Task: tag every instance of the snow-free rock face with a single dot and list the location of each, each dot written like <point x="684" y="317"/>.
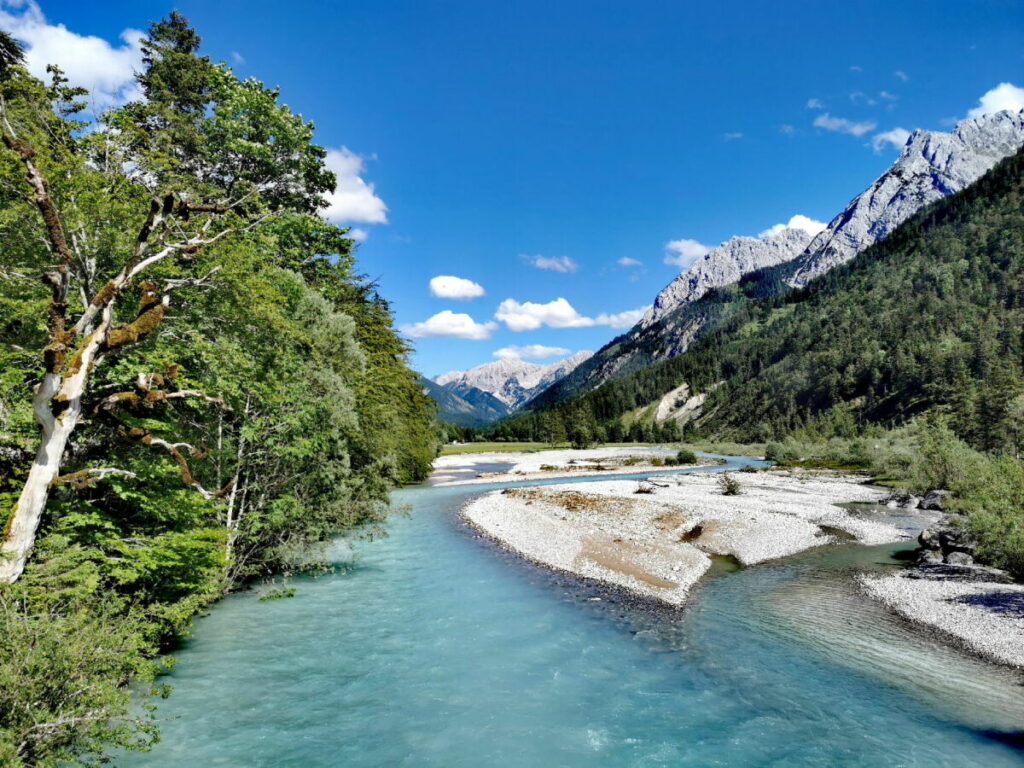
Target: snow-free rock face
<point x="725" y="265"/>
<point x="513" y="382"/>
<point x="932" y="165"/>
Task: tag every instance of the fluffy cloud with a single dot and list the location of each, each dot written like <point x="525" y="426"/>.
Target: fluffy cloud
<point x="626" y="261"/>
<point x="451" y="287"/>
<point x="842" y="125"/>
<point x="353" y="200"/>
<point x="531" y="351"/>
<point x="732" y="135"/>
<point x="897" y="137"/>
<point x="107" y="71"/>
<point x="451" y="325"/>
<point x="787" y="129"/>
<point x="1003" y="96"/>
<point x="626" y="319"/>
<point x="529" y="316"/>
<point x="684" y="252"/>
<point x="798" y="221"/>
<point x="553" y="263"/>
<point x="815" y="104"/>
<point x="901" y="75"/>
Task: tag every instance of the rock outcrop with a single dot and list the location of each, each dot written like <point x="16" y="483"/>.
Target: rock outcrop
<point x="726" y="264"/>
<point x="932" y="165"/>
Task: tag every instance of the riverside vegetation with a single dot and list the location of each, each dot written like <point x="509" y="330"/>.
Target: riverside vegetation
<point x="907" y="360"/>
<point x="196" y="386"/>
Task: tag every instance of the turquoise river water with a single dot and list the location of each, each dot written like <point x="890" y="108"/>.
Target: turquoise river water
<point x="435" y="648"/>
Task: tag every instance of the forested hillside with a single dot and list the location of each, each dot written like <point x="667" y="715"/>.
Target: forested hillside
<point x="196" y="385"/>
<point x="930" y="317"/>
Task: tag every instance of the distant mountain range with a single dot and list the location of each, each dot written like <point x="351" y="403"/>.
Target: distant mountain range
<point x="931" y="166"/>
<point x="486" y="393"/>
<point x="927" y="319"/>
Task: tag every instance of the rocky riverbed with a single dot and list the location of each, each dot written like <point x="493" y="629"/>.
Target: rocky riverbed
<point x="540" y="465"/>
<point x="657" y="538"/>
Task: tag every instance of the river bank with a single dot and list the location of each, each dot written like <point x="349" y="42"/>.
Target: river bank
<point x="981" y="616"/>
<point x="505" y="467"/>
<point x="659" y="542"/>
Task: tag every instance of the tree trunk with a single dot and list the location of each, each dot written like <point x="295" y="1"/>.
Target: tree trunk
<point x="57" y="406"/>
<point x="21" y="528"/>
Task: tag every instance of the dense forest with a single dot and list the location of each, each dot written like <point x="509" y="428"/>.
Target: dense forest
<point x="197" y="387"/>
<point x="930" y="318"/>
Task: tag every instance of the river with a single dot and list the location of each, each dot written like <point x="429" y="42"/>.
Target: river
<point x="435" y="648"/>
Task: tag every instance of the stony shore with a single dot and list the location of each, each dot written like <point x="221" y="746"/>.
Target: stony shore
<point x="659" y="544"/>
<point x="460" y="469"/>
<point x="984" y="617"/>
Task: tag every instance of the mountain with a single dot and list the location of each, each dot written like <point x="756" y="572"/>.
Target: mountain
<point x="726" y="264"/>
<point x="488" y="392"/>
<point x="465" y="406"/>
<point x="929" y="317"/>
<point x="931" y="166"/>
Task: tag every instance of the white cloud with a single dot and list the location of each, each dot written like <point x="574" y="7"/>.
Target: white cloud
<point x="358" y="234"/>
<point x="237" y="58"/>
<point x="732" y="136"/>
<point x="842" y="125"/>
<point x="897" y="137"/>
<point x="626" y="319"/>
<point x="452" y="325"/>
<point x="856" y="68"/>
<point x="797" y="221"/>
<point x="1003" y="96"/>
<point x="787" y="129"/>
<point x="353" y="200"/>
<point x="451" y="287"/>
<point x="627" y="261"/>
<point x="685" y="252"/>
<point x="107" y="71"/>
<point x="899" y="73"/>
<point x="554" y="263"/>
<point x="815" y="104"/>
<point x="531" y="351"/>
<point x="887" y="96"/>
<point x="529" y="316"/>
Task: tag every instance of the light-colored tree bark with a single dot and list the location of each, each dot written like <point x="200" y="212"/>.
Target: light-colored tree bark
<point x="57" y="399"/>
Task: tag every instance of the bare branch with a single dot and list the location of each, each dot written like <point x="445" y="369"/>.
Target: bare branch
<point x="190" y="282"/>
<point x="58" y="338"/>
<point x="175" y="449"/>
<point x="86" y="477"/>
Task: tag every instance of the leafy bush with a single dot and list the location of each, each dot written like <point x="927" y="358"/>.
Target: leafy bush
<point x="686" y="456"/>
<point x="729" y="485"/>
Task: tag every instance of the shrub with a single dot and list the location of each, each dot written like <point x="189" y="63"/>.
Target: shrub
<point x="686" y="456"/>
<point x="729" y="485"/>
<point x="781" y="454"/>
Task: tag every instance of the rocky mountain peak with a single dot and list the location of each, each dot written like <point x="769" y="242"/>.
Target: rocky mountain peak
<point x="514" y="382"/>
<point x="726" y="264"/>
<point x="932" y="165"/>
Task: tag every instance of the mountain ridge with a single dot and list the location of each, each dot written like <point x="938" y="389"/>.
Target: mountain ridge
<point x="931" y="166"/>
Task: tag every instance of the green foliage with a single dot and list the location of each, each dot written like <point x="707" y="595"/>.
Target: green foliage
<point x="309" y="414"/>
<point x="686" y="456"/>
<point x="729" y="485"/>
<point x="927" y="318"/>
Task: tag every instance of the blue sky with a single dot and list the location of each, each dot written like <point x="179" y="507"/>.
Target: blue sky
<point x="475" y="136"/>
